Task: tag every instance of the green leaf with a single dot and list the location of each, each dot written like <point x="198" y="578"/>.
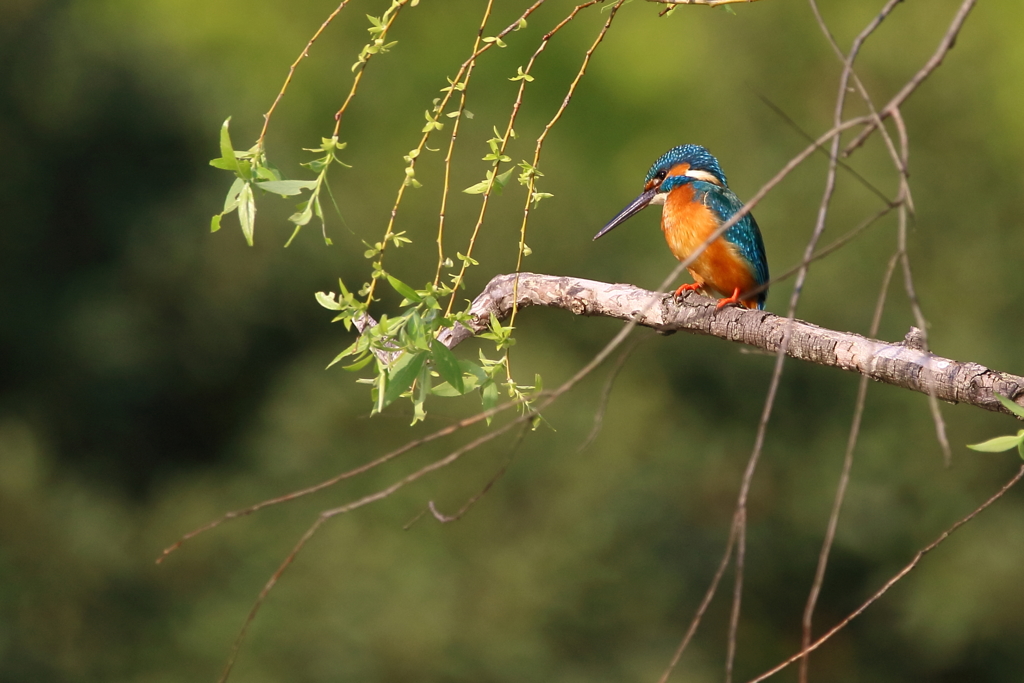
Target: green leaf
<point x="286" y="188"/>
<point x="432" y="122"/>
<point x="479" y="188"/>
<point x="445" y="390"/>
<point x="497" y="186"/>
<point x="266" y="173"/>
<point x="303" y="215"/>
<point x="398" y="239"/>
<point x="498" y="333"/>
<point x="1010" y="405"/>
<point x="231" y="199"/>
<point x="522" y="76"/>
<point x="225" y="164"/>
<point x="489" y="397"/>
<point x="402" y="378"/>
<point x="295" y="233"/>
<point x="999" y="444"/>
<point x="447" y="366"/>
<point x="405" y="290"/>
<point x="247" y="212"/>
<point x="473" y="372"/>
<point x="215" y="222"/>
<point x="502" y="179"/>
<point x="352" y="349"/>
<point x="227" y="160"/>
<point x="359" y="364"/>
<point x="327" y="301"/>
<point x="419" y="400"/>
<point x="472" y="376"/>
<point x="415" y="334"/>
<point x="537" y="196"/>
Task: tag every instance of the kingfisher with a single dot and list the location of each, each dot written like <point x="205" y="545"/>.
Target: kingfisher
<point x="696" y="200"/>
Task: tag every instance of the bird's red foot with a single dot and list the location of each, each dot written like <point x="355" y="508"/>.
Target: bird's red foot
<point x="686" y="288"/>
<point x="734" y="299"/>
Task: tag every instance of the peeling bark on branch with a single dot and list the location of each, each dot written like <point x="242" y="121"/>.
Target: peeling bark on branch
<point x="904" y="364"/>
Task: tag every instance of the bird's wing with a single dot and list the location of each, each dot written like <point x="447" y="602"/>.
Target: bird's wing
<point x="745" y="234"/>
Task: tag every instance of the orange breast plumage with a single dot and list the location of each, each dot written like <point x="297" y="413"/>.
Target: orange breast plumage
<point x="687" y="224"/>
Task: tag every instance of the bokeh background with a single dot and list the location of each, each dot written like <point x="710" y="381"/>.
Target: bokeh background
<point x="154" y="376"/>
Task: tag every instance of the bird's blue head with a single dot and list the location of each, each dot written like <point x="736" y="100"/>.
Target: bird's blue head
<point x="679" y="165"/>
<point x="692" y="161"/>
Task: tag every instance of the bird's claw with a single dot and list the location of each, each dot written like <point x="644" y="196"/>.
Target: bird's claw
<point x="734" y="299"/>
<point x="678" y="295"/>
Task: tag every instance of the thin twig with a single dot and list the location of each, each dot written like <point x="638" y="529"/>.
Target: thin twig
<point x="740" y="520"/>
<point x="908" y="283"/>
<point x="438" y="111"/>
<point x="850" y="74"/>
<point x="847" y="74"/>
<point x="361" y="502"/>
<point x="844" y="480"/>
<point x="723" y="564"/>
<point x="291" y="70"/>
<point x="776" y="379"/>
<point x="945" y="45"/>
<point x="348" y="474"/>
<point x="445" y="519"/>
<point x="606" y="392"/>
<point x="900" y="160"/>
<point x="532" y="181"/>
<point x="892" y="581"/>
<point x="509" y="132"/>
<point x="546" y="400"/>
<point x="868" y="185"/>
<point x="831" y="247"/>
<point x="446" y="186"/>
<point x="392" y="15"/>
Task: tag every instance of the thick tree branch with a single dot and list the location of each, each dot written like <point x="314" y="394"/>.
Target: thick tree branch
<point x="903" y="364"/>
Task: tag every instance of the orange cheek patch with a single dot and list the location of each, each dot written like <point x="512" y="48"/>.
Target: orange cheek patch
<point x="678" y="169"/>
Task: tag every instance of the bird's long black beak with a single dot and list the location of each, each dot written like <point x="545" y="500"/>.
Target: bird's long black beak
<point x="634" y="208"/>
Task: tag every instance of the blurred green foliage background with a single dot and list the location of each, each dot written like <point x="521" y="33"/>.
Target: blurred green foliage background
<point x="154" y="376"/>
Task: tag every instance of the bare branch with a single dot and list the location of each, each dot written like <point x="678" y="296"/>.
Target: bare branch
<point x="704" y="604"/>
<point x="606" y="394"/>
<point x="904" y="364"/>
<point x="844" y="480"/>
<point x="892" y="581"/>
<point x="945" y="45"/>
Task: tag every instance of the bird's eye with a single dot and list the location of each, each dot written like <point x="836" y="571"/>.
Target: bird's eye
<point x="661" y="174"/>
